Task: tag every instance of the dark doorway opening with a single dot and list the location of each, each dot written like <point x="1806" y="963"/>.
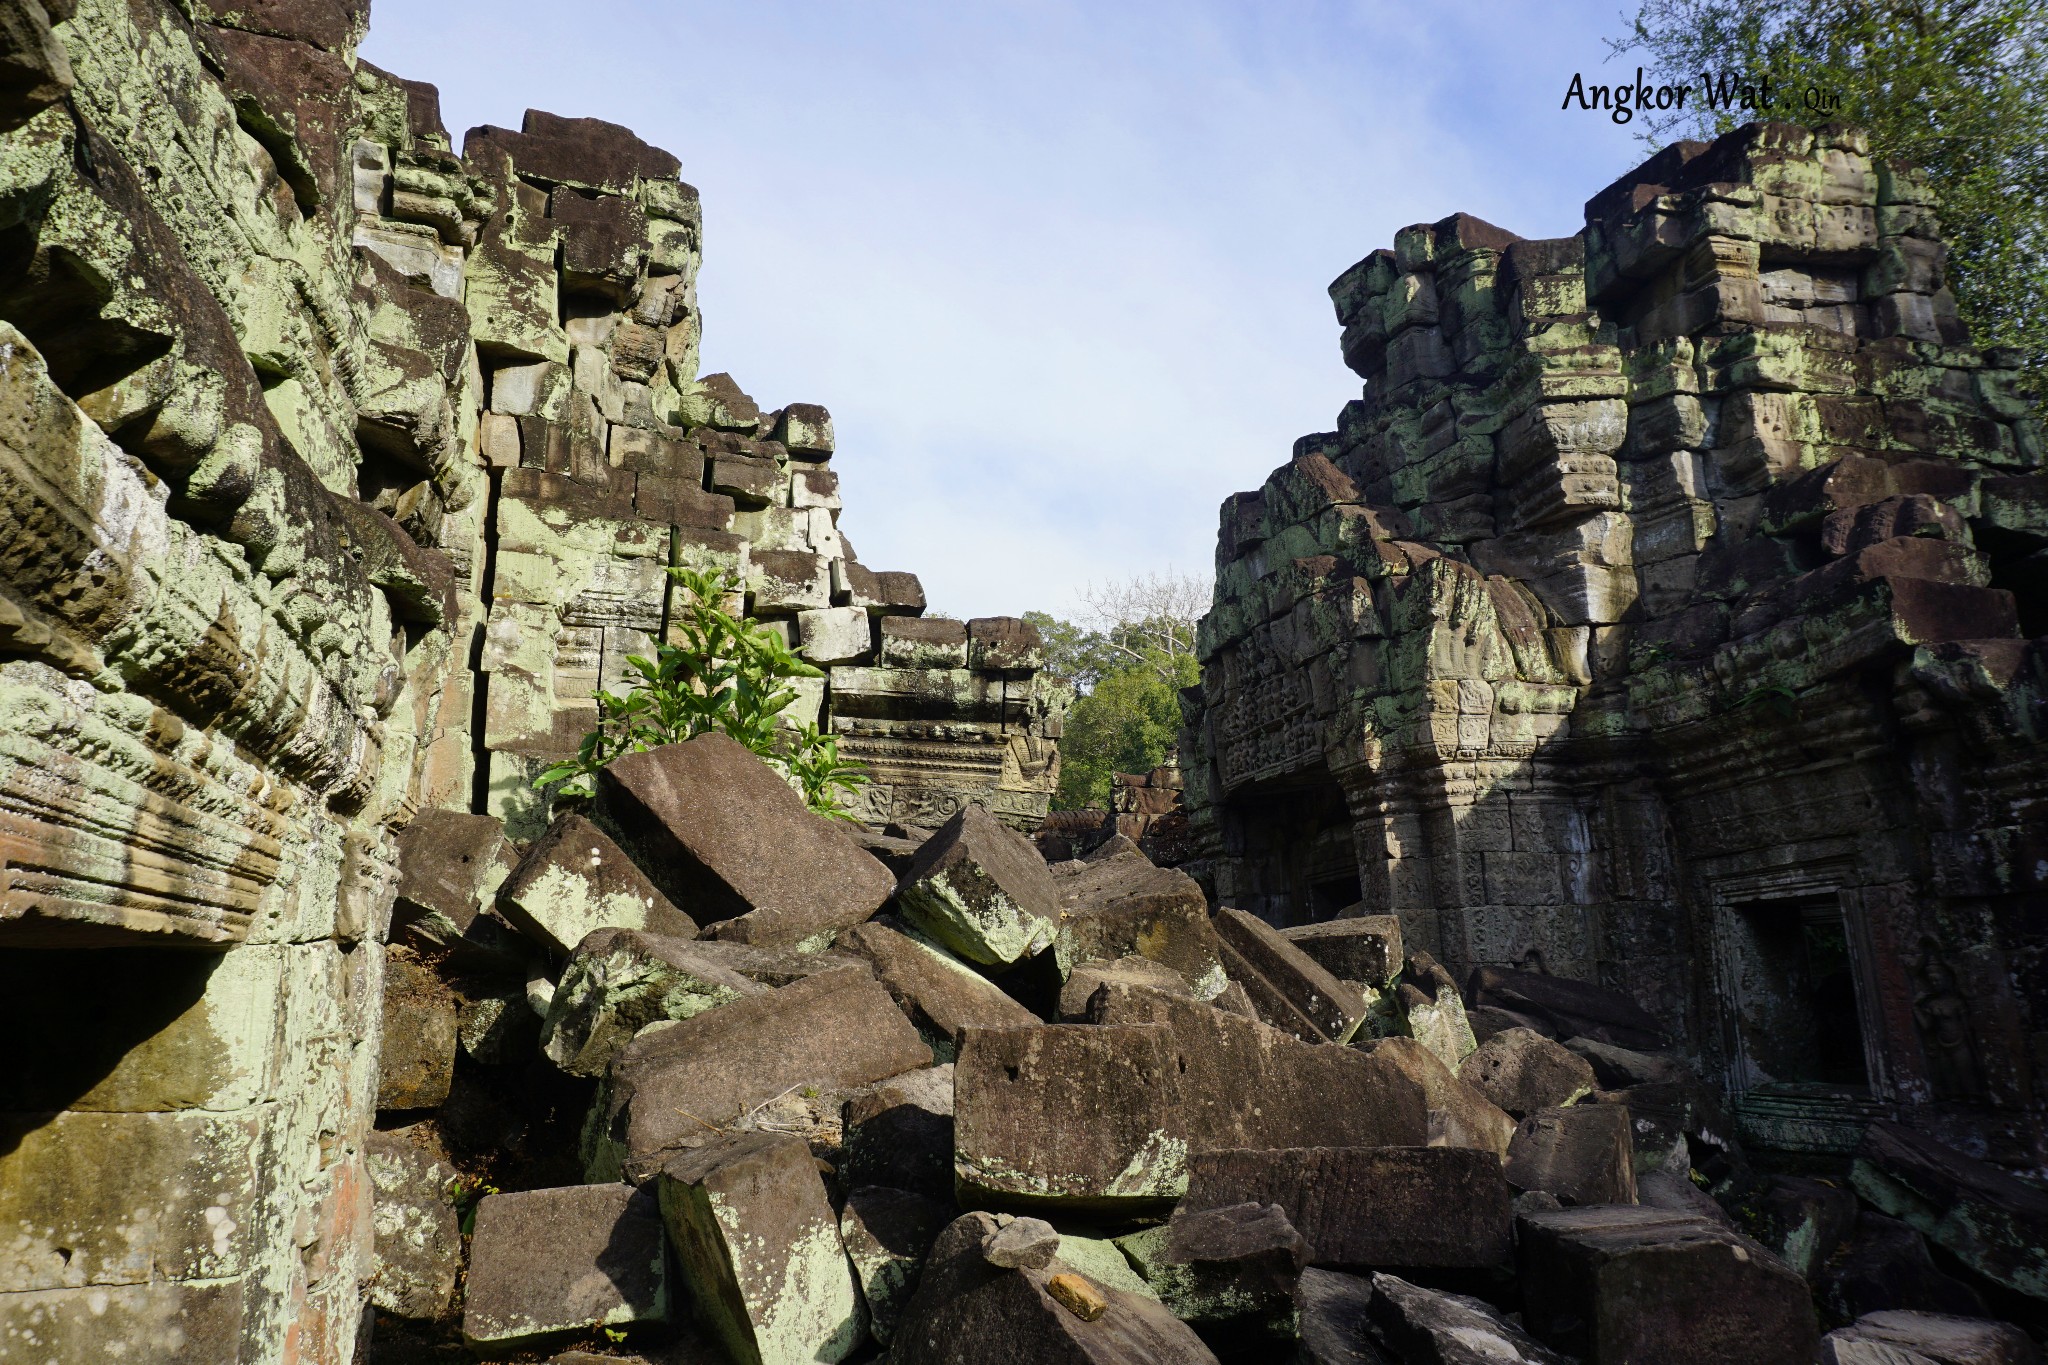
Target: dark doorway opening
<point x="1792" y="967"/>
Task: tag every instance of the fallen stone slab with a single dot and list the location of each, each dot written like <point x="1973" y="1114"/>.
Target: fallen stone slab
<point x="1993" y="1223"/>
<point x="1522" y="1071"/>
<point x="937" y="991"/>
<point x="726" y="839"/>
<point x="1458" y="1115"/>
<point x="418" y="1234"/>
<point x="1077" y="1116"/>
<point x="1088" y="977"/>
<point x="547" y="1263"/>
<point x="1366" y="948"/>
<point x="1435" y="1014"/>
<point x="1334" y="1320"/>
<point x="758" y="1244"/>
<point x="1621" y="1283"/>
<point x="1370" y="1206"/>
<point x="1237" y="1082"/>
<point x="685" y="1084"/>
<point x="416" y="1050"/>
<point x="1904" y="1338"/>
<point x="1803" y="1220"/>
<point x="1580" y="1154"/>
<point x="979" y="888"/>
<point x="450" y="864"/>
<point x="1573" y="1009"/>
<point x="968" y="1312"/>
<point x="1279" y="967"/>
<point x="1883" y="1266"/>
<point x="619" y="981"/>
<point x="1618" y="1068"/>
<point x="899" y="1133"/>
<point x="1236" y="1264"/>
<point x="1424" y="1327"/>
<point x="575" y="881"/>
<point x="777" y="966"/>
<point x="887" y="1233"/>
<point x="1116" y="903"/>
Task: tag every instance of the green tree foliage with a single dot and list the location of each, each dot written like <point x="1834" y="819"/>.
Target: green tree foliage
<point x="1959" y="87"/>
<point x="1128" y="661"/>
<point x="724" y="673"/>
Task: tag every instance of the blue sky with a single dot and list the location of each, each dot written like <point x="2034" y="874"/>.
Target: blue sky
<point x="1056" y="268"/>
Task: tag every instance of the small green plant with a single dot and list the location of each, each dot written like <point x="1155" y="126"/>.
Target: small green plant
<point x="721" y="672"/>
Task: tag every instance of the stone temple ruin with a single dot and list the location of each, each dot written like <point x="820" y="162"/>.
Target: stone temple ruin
<point x="1631" y="709"/>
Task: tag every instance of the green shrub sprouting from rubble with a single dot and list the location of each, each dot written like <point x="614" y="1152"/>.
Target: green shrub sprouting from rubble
<point x="725" y="673"/>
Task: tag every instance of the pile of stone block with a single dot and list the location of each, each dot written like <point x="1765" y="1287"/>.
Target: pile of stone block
<point x="983" y="1107"/>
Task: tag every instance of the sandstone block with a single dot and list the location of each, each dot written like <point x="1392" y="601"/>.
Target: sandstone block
<point x="617" y="982"/>
<point x="835" y="635"/>
<point x="979" y="888"/>
<point x="1370" y="1206"/>
<point x="941" y="994"/>
<point x="1522" y="1071"/>
<point x="1116" y="903"/>
<point x="1582" y="1155"/>
<point x="758" y="1244"/>
<point x="449" y="864"/>
<point x="1574" y="1009"/>
<point x="675" y="1087"/>
<point x="899" y="1133"/>
<point x="1020" y="1243"/>
<point x="1884" y="1266"/>
<point x="1459" y="1116"/>
<point x="1996" y="1224"/>
<point x="1236" y="1264"/>
<point x="1335" y="1320"/>
<point x="725" y="838"/>
<point x="1003" y="644"/>
<point x="968" y="1312"/>
<point x="575" y="881"/>
<point x="1286" y="983"/>
<point x="1448" y="1329"/>
<point x="547" y="1263"/>
<point x="917" y="642"/>
<point x="416" y="1056"/>
<point x="1089" y="977"/>
<point x="887" y="1233"/>
<point x="1906" y="1338"/>
<point x="1616" y="1283"/>
<point x="1366" y="948"/>
<point x="418" y="1236"/>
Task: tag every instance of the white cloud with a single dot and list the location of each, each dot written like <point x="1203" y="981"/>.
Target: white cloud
<point x="1057" y="269"/>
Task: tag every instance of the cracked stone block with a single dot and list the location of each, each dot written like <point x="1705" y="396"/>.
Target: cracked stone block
<point x="1615" y="1283"/>
<point x="729" y="843"/>
<point x="1368" y="1206"/>
<point x="887" y="1233"/>
<point x="545" y="1264"/>
<point x="968" y="1312"/>
<point x="758" y="1245"/>
<point x="619" y="981"/>
<point x="979" y="888"/>
<point x="1522" y="1071"/>
<point x="1582" y="1154"/>
<point x="418" y="1235"/>
<point x="575" y="881"/>
<point x="683" y="1084"/>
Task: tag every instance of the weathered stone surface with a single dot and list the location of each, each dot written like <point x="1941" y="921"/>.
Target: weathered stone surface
<point x="617" y="982"/>
<point x="759" y="1247"/>
<point x="1290" y="988"/>
<point x="1995" y="1224"/>
<point x="1089" y="977"/>
<point x="1458" y="1115"/>
<point x="727" y="840"/>
<point x="1230" y="1264"/>
<point x="887" y="1233"/>
<point x="681" y="1085"/>
<point x="941" y="994"/>
<point x="1116" y="903"/>
<point x="1582" y="1155"/>
<point x="1615" y="1283"/>
<point x="1432" y="1328"/>
<point x="450" y="864"/>
<point x="1370" y="1206"/>
<point x="899" y="1133"/>
<point x="416" y="1061"/>
<point x="575" y="881"/>
<point x="1366" y="948"/>
<point x="980" y="888"/>
<point x="1885" y="1266"/>
<point x="1576" y="1009"/>
<point x="967" y="1311"/>
<point x="419" y="1237"/>
<point x="1804" y="1221"/>
<point x="1020" y="1243"/>
<point x="1522" y="1071"/>
<point x="1905" y="1338"/>
<point x="545" y="1263"/>
<point x="1428" y="1001"/>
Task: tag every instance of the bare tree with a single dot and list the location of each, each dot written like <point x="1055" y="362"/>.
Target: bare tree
<point x="1149" y="619"/>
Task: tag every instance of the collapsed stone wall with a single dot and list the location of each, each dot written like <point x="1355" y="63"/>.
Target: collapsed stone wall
<point x="1667" y="612"/>
<point x="338" y="471"/>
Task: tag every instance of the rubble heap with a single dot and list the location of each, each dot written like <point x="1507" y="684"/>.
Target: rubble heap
<point x="1666" y="613"/>
<point x="338" y="472"/>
